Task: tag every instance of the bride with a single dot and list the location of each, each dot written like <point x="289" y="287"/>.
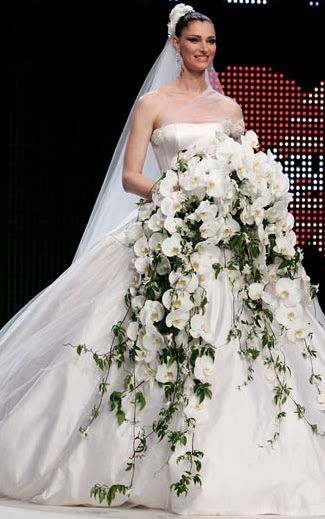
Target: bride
<point x="177" y="364"/>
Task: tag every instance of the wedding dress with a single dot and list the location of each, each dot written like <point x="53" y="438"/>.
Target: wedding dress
<point x="47" y="392"/>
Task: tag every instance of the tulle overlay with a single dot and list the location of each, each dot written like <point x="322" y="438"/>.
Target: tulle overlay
<point x="47" y="392"/>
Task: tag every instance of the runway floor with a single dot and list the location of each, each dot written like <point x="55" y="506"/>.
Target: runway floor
<point x="10" y="509"/>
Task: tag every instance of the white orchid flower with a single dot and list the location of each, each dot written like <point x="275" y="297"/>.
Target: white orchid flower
<point x="167" y="373"/>
<point x="260" y="165"/>
<point x="156" y="221"/>
<point x="169" y="184"/>
<point x="298" y="331"/>
<point x="200" y="327"/>
<point x="255" y="291"/>
<point x="170" y="205"/>
<point x="203" y="368"/>
<point x="288" y="291"/>
<point x="173" y="225"/>
<point x="155" y="240"/>
<point x="167" y="298"/>
<point x="288" y="223"/>
<point x="142" y="265"/>
<point x="206" y="210"/>
<point x="215" y="184"/>
<point x="141" y="246"/>
<point x="146" y="372"/>
<point x="177" y="318"/>
<point x="276" y="211"/>
<point x="209" y="228"/>
<point x="200" y="262"/>
<point x="132" y="330"/>
<point x="188" y="283"/>
<point x="152" y="339"/>
<point x="285" y="245"/>
<point x="288" y="315"/>
<point x="257" y="208"/>
<point x="177" y="300"/>
<point x="144" y="355"/>
<point x="229" y="228"/>
<point x="228" y="150"/>
<point x="196" y="409"/>
<point x="137" y="302"/>
<point x="151" y="312"/>
<point x="181" y="300"/>
<point x="206" y="166"/>
<point x="251" y="139"/>
<point x="279" y="184"/>
<point x="172" y="246"/>
<point x="189" y="181"/>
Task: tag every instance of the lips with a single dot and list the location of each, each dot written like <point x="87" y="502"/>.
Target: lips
<point x="202" y="58"/>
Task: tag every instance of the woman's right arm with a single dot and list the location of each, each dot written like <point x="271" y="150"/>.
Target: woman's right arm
<point x="133" y="180"/>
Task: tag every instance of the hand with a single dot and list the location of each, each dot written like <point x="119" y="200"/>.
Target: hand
<point x="151" y="190"/>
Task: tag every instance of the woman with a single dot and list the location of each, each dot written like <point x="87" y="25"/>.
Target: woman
<point x="211" y="272"/>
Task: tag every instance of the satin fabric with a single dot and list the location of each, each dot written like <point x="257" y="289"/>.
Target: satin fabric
<point x="47" y="391"/>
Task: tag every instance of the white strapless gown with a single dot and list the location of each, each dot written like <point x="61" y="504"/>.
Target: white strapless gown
<point x="47" y="392"/>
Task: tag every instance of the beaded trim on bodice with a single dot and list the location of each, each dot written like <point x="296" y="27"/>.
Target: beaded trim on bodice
<point x="231" y="128"/>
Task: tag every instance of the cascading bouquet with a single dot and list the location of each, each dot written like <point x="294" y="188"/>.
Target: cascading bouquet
<point x="220" y="210"/>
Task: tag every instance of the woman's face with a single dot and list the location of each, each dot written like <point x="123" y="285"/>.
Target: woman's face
<point x="197" y="45"/>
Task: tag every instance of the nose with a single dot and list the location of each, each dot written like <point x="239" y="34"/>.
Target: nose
<point x="204" y="47"/>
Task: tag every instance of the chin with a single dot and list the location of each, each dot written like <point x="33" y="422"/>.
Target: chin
<point x="199" y="67"/>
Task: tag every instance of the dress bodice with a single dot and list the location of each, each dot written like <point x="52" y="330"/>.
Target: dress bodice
<point x="168" y="140"/>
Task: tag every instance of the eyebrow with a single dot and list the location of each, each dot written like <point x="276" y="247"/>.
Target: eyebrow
<point x="199" y="36"/>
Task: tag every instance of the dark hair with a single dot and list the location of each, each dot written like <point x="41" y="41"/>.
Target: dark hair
<point x="192" y="16"/>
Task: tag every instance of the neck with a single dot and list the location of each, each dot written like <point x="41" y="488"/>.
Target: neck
<point x="192" y="83"/>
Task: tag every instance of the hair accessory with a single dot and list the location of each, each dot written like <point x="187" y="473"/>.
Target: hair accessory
<point x="175" y="14"/>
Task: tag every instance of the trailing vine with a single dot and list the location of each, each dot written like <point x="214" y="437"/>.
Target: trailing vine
<point x="220" y="212"/>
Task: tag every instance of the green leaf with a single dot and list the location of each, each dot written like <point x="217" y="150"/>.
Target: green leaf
<point x="300" y="411"/>
<point x="80" y="348"/>
<point x="95" y="412"/>
<point x="140" y="399"/>
<point x="217" y="269"/>
<point x="202" y="391"/>
<point x="313" y="291"/>
<point x="115" y="400"/>
<point x="127" y="381"/>
<point x="120" y="415"/>
<point x="314" y="428"/>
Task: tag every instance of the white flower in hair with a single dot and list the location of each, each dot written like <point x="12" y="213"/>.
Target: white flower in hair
<point x="175" y="14"/>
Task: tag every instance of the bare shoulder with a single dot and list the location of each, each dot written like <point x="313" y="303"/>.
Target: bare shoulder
<point x="233" y="108"/>
<point x="150" y="99"/>
<point x="148" y="105"/>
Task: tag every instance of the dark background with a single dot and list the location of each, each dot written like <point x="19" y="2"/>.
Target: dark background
<point x="74" y="70"/>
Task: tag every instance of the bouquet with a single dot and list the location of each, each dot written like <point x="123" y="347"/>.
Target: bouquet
<point x="221" y="209"/>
